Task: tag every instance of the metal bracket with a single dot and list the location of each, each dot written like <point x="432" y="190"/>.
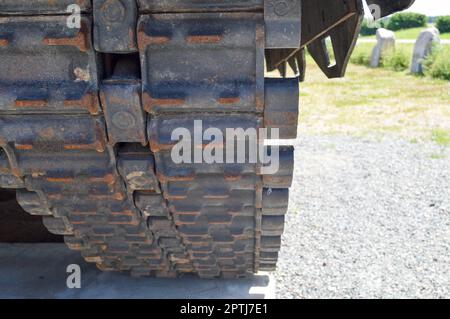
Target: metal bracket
<point x="120" y="97"/>
<point x="342" y="25"/>
<point x="283" y="23"/>
<point x="115" y="24"/>
<point x="340" y="21"/>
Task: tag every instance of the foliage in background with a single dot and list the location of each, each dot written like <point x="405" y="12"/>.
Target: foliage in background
<point x="411" y="34"/>
<point x="369" y="101"/>
<point x="368" y="27"/>
<point x="361" y="55"/>
<point x="407" y="20"/>
<point x="398" y="60"/>
<point x="437" y="64"/>
<point x="443" y="24"/>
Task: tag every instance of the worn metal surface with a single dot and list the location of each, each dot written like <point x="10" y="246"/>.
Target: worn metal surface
<point x="46" y="66"/>
<point x="35" y="7"/>
<point x="86" y="133"/>
<point x="186" y="61"/>
<point x="282" y="106"/>
<point x="283" y="23"/>
<point x="199" y="5"/>
<point x="123" y="112"/>
<point x="115" y="26"/>
<point x="137" y="167"/>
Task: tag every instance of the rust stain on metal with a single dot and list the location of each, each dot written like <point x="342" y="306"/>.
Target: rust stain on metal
<point x="108" y="179"/>
<point x="180" y="223"/>
<point x="117" y="197"/>
<point x="80" y="147"/>
<point x="229" y="100"/>
<point x="88" y="101"/>
<point x="164" y="179"/>
<point x="99" y="146"/>
<point x="259" y="191"/>
<point x="133" y="222"/>
<point x="17" y="172"/>
<point x="189" y="213"/>
<point x="204" y="38"/>
<point x="224" y="224"/>
<point x="31" y="103"/>
<point x="60" y="179"/>
<point x="124" y="213"/>
<point x="233" y="213"/>
<point x="82" y="222"/>
<point x="74" y="246"/>
<point x="233" y="178"/>
<point x="97" y="260"/>
<point x="149" y="102"/>
<point x="259" y="103"/>
<point x="101" y="143"/>
<point x="23" y="147"/>
<point x="216" y="196"/>
<point x="103" y="100"/>
<point x="177" y="197"/>
<point x="80" y="41"/>
<point x="80" y="213"/>
<point x="196" y="243"/>
<point x="154" y="144"/>
<point x="131" y="35"/>
<point x="145" y="40"/>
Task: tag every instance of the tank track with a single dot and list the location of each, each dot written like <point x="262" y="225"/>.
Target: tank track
<point x="85" y="132"/>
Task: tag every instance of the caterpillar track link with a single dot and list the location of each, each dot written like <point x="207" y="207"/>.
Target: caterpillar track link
<point x="92" y="91"/>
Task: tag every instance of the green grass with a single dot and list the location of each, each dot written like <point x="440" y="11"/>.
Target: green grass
<point x="437" y="64"/>
<point x="438" y="156"/>
<point x="410" y="34"/>
<point x="441" y="137"/>
<point x="376" y="101"/>
<point x="400" y="60"/>
<point x="362" y="53"/>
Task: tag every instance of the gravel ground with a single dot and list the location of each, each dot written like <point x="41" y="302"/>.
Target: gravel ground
<point x="368" y="219"/>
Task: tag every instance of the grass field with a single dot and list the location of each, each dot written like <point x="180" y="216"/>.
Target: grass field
<point x="376" y="101"/>
<point x="410" y="34"/>
<point x="363" y="50"/>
